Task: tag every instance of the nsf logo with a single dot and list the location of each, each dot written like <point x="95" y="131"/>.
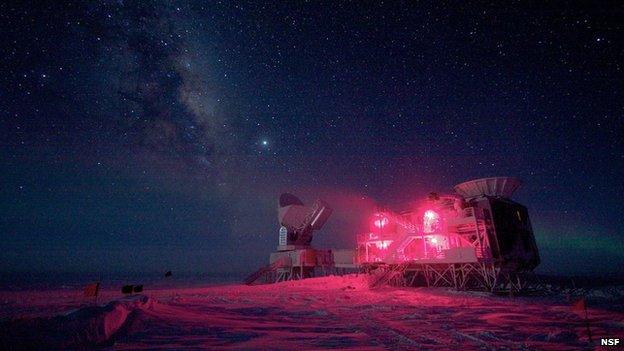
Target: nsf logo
<point x="609" y="341"/>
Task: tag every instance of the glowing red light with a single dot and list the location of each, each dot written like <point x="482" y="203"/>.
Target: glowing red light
<point x="430" y="221"/>
<point x="381" y="221"/>
<point x="429" y="214"/>
<point x="383" y="244"/>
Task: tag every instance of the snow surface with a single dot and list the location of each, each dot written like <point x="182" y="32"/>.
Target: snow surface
<point x="313" y="314"/>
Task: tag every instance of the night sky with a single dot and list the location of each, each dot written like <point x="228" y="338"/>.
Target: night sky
<point x="140" y="137"/>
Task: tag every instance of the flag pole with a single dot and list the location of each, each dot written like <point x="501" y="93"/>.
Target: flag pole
<point x="97" y="290"/>
<point x="587" y="324"/>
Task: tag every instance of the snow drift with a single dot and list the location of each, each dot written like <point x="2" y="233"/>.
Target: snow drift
<point x="86" y="327"/>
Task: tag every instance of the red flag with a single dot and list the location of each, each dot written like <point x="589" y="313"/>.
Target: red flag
<point x="579" y="305"/>
<point x="92" y="289"/>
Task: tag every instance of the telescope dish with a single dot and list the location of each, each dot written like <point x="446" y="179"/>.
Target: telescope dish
<point x="494" y="186"/>
<point x="287" y="199"/>
<point x="300" y="221"/>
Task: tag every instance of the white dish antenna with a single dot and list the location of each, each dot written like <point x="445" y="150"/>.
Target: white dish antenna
<point x="494" y="186"/>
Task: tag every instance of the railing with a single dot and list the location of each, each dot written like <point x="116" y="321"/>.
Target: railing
<point x="468" y="212"/>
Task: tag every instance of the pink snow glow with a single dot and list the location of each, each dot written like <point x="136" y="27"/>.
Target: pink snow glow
<point x="313" y="314"/>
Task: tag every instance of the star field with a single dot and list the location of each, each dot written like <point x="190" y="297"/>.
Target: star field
<point x="161" y="134"/>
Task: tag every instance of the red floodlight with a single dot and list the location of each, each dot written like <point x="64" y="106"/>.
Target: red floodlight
<point x="380" y="220"/>
<point x="383" y="244"/>
<point x="431" y="221"/>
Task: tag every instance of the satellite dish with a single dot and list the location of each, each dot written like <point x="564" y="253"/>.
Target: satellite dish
<point x="299" y="220"/>
<point x="494" y="186"/>
<point x="287" y="199"/>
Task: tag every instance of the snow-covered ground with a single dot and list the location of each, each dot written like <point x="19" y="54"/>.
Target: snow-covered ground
<point x="319" y="313"/>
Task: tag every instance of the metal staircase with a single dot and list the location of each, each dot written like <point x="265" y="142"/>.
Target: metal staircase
<point x="387" y="275"/>
<point x="266" y="270"/>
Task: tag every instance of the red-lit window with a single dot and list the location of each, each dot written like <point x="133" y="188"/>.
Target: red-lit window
<point x="431" y="221"/>
<point x="380" y="220"/>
